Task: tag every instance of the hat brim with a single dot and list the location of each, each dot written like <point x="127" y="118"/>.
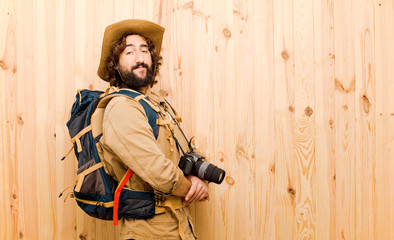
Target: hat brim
<point x="115" y="31"/>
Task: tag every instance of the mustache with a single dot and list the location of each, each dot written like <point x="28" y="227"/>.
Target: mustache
<point x="140" y="65"/>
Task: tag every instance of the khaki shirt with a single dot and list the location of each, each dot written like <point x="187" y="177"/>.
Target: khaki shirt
<point x="128" y="142"/>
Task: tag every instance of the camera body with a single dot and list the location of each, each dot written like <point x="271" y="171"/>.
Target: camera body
<point x="192" y="163"/>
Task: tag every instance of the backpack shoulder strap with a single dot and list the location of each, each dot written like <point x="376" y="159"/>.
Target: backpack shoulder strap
<point x="150" y="110"/>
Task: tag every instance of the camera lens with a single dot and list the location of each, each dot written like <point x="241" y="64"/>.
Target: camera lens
<point x="209" y="172"/>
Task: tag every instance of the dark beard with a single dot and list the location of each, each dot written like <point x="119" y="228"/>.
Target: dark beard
<point x="130" y="80"/>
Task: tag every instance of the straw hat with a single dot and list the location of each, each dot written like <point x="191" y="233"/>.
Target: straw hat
<point x="115" y="31"/>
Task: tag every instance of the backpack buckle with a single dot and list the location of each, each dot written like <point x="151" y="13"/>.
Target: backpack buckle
<point x="159" y="200"/>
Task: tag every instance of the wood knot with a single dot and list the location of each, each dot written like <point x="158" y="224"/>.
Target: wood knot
<point x="178" y="71"/>
<point x="91" y="86"/>
<point x="339" y="86"/>
<point x="230" y="180"/>
<point x="20" y="120"/>
<point x="291" y="108"/>
<point x="227" y="33"/>
<point x="308" y="111"/>
<point x="273" y="168"/>
<point x="21" y="235"/>
<point x="285" y="55"/>
<point x="345" y="107"/>
<point x="366" y="104"/>
<point x="82" y="237"/>
<point x="3" y="65"/>
<point x="291" y="191"/>
<point x="331" y="122"/>
<point x="221" y="159"/>
<point x="14" y="196"/>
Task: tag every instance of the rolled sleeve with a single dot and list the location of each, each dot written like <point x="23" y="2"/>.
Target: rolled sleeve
<point x="127" y="133"/>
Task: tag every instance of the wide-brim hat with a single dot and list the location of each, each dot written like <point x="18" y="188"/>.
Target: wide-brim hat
<point x="115" y="31"/>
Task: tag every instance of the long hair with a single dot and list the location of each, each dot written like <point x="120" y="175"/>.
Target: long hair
<point x="112" y="75"/>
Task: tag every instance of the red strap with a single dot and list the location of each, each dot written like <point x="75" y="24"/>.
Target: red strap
<point x="117" y="195"/>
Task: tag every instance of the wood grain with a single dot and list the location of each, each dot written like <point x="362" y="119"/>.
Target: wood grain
<point x="304" y="131"/>
<point x="264" y="83"/>
<point x="292" y="98"/>
<point x="365" y="96"/>
<point x="9" y="182"/>
<point x="286" y="169"/>
<point x="324" y="99"/>
<point x="345" y="84"/>
<point x="384" y="204"/>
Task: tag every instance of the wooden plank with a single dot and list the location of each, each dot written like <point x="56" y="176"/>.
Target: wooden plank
<point x="285" y="167"/>
<point x="44" y="70"/>
<point x="26" y="131"/>
<point x="9" y="183"/>
<point x="144" y="9"/>
<point x="177" y="72"/>
<point x="365" y="99"/>
<point x="345" y="119"/>
<point x="217" y="67"/>
<point x="324" y="119"/>
<point x="242" y="139"/>
<point x="123" y="9"/>
<point x="86" y="47"/>
<point x="264" y="83"/>
<point x="102" y="18"/>
<point x="224" y="197"/>
<point x="202" y="102"/>
<point x="304" y="128"/>
<point x="384" y="35"/>
<point x="65" y="227"/>
<point x="167" y="76"/>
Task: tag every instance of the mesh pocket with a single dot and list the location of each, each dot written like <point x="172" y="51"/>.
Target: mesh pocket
<point x="93" y="182"/>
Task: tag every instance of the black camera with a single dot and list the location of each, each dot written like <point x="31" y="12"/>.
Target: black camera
<point x="192" y="163"/>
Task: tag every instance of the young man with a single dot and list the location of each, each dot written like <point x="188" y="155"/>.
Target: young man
<point x="130" y="60"/>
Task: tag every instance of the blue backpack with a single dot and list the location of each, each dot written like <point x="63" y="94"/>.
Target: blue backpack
<point x="96" y="192"/>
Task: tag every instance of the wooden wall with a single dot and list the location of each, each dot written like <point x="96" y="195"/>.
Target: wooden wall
<point x="294" y="98"/>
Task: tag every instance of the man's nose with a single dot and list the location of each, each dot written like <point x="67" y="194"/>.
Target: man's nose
<point x="138" y="57"/>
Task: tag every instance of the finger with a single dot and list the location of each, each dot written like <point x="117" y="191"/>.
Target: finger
<point x="201" y="194"/>
<point x="195" y="194"/>
<point x="200" y="191"/>
<point x="190" y="193"/>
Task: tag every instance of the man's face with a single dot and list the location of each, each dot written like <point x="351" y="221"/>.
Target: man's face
<point x="135" y="63"/>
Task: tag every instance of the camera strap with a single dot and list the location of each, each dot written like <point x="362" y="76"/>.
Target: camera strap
<point x="173" y="136"/>
<point x="165" y="111"/>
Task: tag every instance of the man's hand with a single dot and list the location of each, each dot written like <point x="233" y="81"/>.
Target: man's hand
<point x="198" y="191"/>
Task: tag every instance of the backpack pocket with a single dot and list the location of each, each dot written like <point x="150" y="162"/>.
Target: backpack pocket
<point x="95" y="205"/>
<point x="135" y="204"/>
<point x="89" y="191"/>
<point x="89" y="179"/>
